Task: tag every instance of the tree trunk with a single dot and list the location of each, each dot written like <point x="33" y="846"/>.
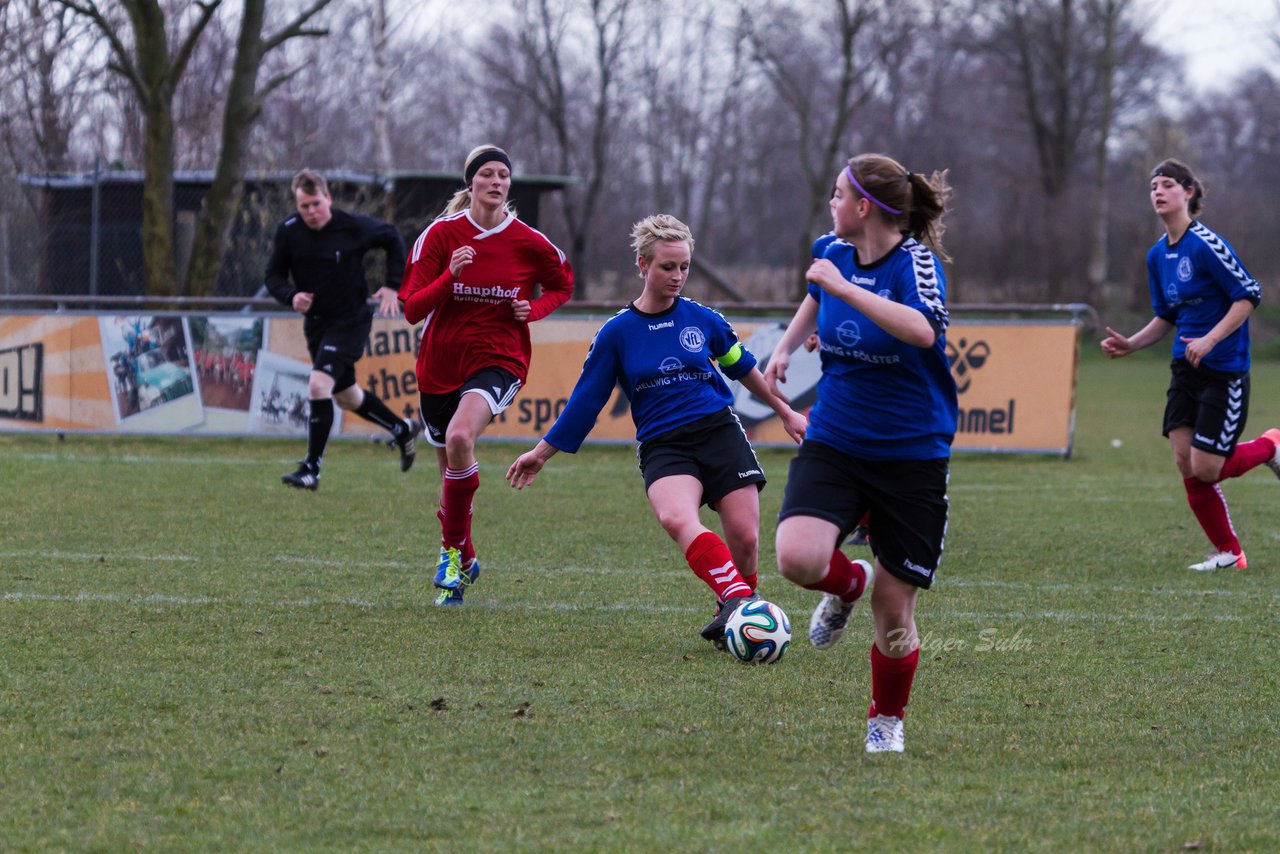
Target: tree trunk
<point x="159" y="264"/>
<point x="1099" y="260"/>
<point x="382" y="103"/>
<point x="217" y="213"/>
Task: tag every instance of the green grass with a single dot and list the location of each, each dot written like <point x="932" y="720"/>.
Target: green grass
<point x="194" y="658"/>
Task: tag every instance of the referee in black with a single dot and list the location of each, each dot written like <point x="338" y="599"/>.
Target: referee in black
<point x="323" y="249"/>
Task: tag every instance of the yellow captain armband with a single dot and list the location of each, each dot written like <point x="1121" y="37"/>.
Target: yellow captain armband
<point x="728" y="360"/>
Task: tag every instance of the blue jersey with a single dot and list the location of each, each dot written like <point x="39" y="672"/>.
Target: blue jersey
<point x="1193" y="283"/>
<point x="880" y="398"/>
<point x="663" y="363"/>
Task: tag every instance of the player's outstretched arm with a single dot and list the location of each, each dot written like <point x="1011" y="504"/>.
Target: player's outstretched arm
<point x="804" y="324"/>
<point x="793" y="422"/>
<point x="1116" y="345"/>
<point x="527" y="465"/>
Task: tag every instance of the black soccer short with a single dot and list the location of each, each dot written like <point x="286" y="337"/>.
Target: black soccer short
<point x="337" y="344"/>
<point x="497" y="386"/>
<point x="714" y="449"/>
<point x="1215" y="405"/>
<point x="907" y="500"/>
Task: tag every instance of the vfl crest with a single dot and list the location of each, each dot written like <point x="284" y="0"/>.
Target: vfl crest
<point x="965" y="358"/>
<point x="1184" y="269"/>
<point x="692" y="339"/>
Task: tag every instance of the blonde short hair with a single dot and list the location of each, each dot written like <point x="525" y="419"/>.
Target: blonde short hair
<point x="651" y="229"/>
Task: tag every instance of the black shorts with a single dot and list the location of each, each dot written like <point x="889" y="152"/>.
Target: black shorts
<point x="1215" y="405"/>
<point x="907" y="500"/>
<point x="497" y="386"/>
<point x="714" y="449"/>
<point x="336" y="345"/>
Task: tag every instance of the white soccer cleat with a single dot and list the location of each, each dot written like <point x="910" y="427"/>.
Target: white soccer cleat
<point x="1221" y="560"/>
<point x="884" y="734"/>
<point x="831" y="617"/>
<point x="829" y="621"/>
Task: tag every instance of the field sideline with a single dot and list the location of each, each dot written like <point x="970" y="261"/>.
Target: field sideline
<point x="194" y="658"/>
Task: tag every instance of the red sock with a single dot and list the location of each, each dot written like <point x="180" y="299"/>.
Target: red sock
<point x="753" y="580"/>
<point x="1248" y="456"/>
<point x="460" y="487"/>
<point x="1210" y="508"/>
<point x="891" y="682"/>
<point x="710" y="560"/>
<point x="468" y="548"/>
<point x="845" y="578"/>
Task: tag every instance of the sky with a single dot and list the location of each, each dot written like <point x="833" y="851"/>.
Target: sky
<point x="1219" y="39"/>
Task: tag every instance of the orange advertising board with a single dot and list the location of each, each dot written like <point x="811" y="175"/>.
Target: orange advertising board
<point x="243" y="374"/>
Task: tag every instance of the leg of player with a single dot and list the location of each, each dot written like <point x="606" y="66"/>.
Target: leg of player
<point x="894" y="657"/>
<point x="808" y="556"/>
<point x="370" y="407"/>
<point x="675" y="501"/>
<point x="461" y="482"/>
<point x="1200" y="472"/>
<point x="740" y="520"/>
<point x="319" y="425"/>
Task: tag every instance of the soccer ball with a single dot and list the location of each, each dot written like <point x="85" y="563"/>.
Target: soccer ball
<point x="758" y="632"/>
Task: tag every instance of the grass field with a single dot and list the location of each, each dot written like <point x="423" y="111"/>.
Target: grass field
<point x="193" y="658"/>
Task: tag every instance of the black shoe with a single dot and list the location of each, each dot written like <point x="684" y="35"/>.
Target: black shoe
<point x="714" y="630"/>
<point x="306" y="477"/>
<point x="407" y="443"/>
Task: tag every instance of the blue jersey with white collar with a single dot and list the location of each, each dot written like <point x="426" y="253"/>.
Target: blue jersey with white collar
<point x="1193" y="283"/>
<point x="664" y="363"/>
<point x="881" y="398"/>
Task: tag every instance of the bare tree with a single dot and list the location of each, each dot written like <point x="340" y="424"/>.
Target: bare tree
<point x="379" y="36"/>
<point x="573" y="89"/>
<point x="1071" y="64"/>
<point x="154" y="72"/>
<point x="822" y="74"/>
<point x="48" y="63"/>
<point x="243" y="106"/>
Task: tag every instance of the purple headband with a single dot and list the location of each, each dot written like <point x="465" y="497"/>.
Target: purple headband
<point x="848" y="170"/>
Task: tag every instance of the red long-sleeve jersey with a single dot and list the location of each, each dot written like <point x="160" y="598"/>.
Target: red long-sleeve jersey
<point x="469" y="325"/>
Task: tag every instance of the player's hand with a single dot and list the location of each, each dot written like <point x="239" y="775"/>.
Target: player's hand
<point x="1116" y="345"/>
<point x="462" y="256"/>
<point x="520" y="310"/>
<point x="1197" y="349"/>
<point x="524" y="469"/>
<point x="825" y="275"/>
<point x="796" y="425"/>
<point x="302" y="301"/>
<point x="811" y="343"/>
<point x="388" y="302"/>
<point x="775" y="372"/>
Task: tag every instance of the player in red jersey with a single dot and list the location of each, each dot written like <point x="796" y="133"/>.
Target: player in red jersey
<point x="473" y="277"/>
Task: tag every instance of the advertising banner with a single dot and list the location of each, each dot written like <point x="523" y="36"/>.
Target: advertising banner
<point x="246" y="374"/>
